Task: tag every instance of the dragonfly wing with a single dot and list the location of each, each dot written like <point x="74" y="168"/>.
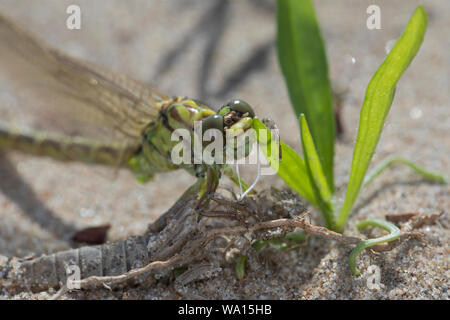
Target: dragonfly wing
<point x="46" y="90"/>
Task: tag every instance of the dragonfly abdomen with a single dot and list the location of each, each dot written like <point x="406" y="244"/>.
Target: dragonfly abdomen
<point x="64" y="148"/>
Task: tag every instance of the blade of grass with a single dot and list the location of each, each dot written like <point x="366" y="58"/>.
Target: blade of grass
<point x="240" y="267"/>
<point x="394" y="234"/>
<point x="316" y="175"/>
<point x="303" y="61"/>
<point x="377" y="102"/>
<point x="291" y="167"/>
<point x="429" y="175"/>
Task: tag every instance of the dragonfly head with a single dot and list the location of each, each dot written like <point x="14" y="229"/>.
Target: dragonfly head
<point x="235" y="115"/>
<point x="237" y="112"/>
<point x="233" y="120"/>
<point x="237" y="118"/>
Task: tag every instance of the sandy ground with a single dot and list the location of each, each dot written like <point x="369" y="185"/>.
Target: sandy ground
<point x="216" y="51"/>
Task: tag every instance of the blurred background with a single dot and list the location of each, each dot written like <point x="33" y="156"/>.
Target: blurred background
<point x="218" y="50"/>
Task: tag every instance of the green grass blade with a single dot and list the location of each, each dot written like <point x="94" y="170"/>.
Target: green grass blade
<point x="291" y="167"/>
<point x="377" y="102"/>
<point x="303" y="61"/>
<point x="316" y="174"/>
<point x="429" y="175"/>
<point x="240" y="267"/>
<point x="394" y="234"/>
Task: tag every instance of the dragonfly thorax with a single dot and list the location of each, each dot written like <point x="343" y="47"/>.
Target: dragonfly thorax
<point x="189" y="134"/>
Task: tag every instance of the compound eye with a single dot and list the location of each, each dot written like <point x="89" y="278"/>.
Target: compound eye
<point x="212" y="122"/>
<point x="241" y="106"/>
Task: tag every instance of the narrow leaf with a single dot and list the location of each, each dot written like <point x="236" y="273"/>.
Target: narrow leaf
<point x="377" y="102"/>
<point x="303" y="61"/>
<point x="394" y="234"/>
<point x="315" y="172"/>
<point x="291" y="167"/>
<point x="429" y="175"/>
<point x="240" y="267"/>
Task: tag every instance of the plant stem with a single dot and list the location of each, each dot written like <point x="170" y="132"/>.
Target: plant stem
<point x="394" y="234"/>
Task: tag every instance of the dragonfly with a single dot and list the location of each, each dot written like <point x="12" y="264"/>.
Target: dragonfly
<point x="78" y="111"/>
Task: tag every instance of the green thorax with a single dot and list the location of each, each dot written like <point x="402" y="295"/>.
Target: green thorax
<point x="155" y="153"/>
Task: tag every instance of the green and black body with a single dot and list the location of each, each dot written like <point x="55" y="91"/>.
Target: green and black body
<point x="82" y="112"/>
<point x="154" y="155"/>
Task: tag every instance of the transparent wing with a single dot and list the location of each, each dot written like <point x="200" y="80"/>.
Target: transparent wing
<point x="44" y="89"/>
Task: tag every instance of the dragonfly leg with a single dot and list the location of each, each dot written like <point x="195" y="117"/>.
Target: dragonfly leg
<point x="210" y="186"/>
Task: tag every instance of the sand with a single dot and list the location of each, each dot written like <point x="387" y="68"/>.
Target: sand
<point x="217" y="51"/>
